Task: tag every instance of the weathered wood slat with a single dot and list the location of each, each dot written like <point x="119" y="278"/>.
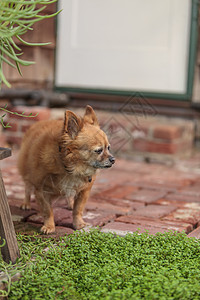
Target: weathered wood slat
<point x="10" y="250"/>
<point x="4" y="152"/>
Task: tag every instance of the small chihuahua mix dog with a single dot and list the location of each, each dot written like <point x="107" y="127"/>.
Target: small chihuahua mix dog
<point x="59" y="158"/>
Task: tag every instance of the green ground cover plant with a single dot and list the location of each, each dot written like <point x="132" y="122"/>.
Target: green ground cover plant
<point x="96" y="265"/>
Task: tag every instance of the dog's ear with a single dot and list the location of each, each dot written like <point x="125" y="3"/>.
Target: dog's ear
<point x="72" y="124"/>
<point x="90" y="116"/>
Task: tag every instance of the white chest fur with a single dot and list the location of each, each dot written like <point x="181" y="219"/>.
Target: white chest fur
<point x="69" y="185"/>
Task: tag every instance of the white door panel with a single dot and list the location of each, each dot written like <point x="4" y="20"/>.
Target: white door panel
<point x="139" y="45"/>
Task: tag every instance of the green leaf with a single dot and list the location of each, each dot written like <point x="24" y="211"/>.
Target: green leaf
<point x="16" y="18"/>
<point x="13" y="56"/>
<point x="31" y="44"/>
<point x="2" y="77"/>
<point x="8" y="62"/>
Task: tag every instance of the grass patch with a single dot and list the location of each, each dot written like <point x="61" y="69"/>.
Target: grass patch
<point x="96" y="265"/>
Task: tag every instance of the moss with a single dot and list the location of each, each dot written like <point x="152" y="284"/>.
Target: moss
<point x="95" y="265"/>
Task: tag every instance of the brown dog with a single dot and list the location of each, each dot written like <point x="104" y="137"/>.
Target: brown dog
<point x="62" y="159"/>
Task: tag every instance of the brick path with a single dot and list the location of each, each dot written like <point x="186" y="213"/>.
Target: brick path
<point x="129" y="196"/>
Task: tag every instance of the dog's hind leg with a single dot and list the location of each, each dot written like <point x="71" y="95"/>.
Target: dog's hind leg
<point x="26" y="204"/>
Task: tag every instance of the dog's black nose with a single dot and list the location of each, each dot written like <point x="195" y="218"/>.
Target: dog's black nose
<point x="112" y="159"/>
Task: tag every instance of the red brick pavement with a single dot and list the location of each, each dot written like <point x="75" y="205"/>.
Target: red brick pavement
<point x="130" y="196"/>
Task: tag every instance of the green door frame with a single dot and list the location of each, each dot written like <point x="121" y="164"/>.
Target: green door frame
<point x="175" y="96"/>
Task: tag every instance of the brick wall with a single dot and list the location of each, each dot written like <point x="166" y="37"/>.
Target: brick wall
<point x="144" y="136"/>
<point x="129" y="135"/>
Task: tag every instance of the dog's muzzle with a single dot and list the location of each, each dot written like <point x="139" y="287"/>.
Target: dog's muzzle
<point x="112" y="159"/>
<point x="108" y="164"/>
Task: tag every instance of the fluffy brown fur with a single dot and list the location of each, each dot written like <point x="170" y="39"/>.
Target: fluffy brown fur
<point x="59" y="158"/>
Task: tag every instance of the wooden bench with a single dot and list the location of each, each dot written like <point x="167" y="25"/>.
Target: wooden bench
<point x="10" y="250"/>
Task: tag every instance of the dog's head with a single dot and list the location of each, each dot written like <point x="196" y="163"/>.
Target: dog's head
<point x="83" y="142"/>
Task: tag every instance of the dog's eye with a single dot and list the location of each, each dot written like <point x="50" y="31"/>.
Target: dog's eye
<point x="99" y="151"/>
<point x="109" y="148"/>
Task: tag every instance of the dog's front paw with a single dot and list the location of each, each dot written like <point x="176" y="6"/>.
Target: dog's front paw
<point x="79" y="224"/>
<point x="25" y="206"/>
<point x="48" y="229"/>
